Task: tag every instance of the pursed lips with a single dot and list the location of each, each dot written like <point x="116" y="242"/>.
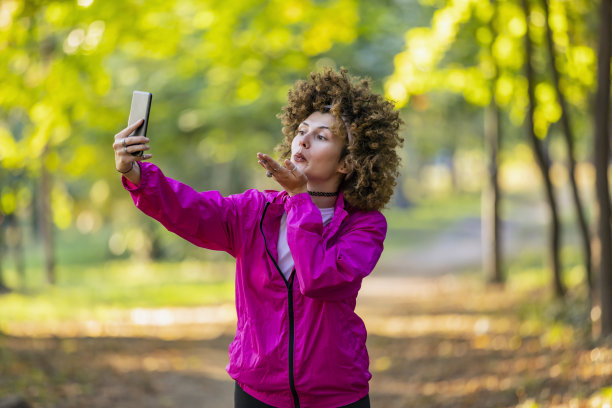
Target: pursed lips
<point x="298" y="157"/>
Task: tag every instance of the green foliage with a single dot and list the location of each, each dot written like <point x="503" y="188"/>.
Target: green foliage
<point x="602" y="398"/>
<point x="219" y="73"/>
<point x="476" y="49"/>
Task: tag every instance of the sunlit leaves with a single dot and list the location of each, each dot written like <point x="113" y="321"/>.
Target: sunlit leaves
<point x="8" y="10"/>
<point x="484" y="36"/>
<point x="62" y="206"/>
<point x="11" y="155"/>
<point x="396" y="91"/>
<point x="559" y="24"/>
<point x="292" y="11"/>
<point x="335" y="22"/>
<point x="81" y="160"/>
<point x="507" y="51"/>
<point x="547" y="110"/>
<point x="8" y="202"/>
<point x="603" y="398"/>
<point x="428" y="65"/>
<point x="425" y="47"/>
<point x="84" y="39"/>
<point x="580" y="67"/>
<point x="99" y="192"/>
<point x="484" y="11"/>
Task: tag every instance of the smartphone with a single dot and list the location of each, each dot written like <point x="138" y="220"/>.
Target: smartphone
<point x="141" y="106"/>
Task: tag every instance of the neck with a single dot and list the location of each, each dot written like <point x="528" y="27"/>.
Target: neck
<point x="328" y="187"/>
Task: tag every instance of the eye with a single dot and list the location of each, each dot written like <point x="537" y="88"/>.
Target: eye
<point x="321" y="137"/>
<point x="301" y="132"/>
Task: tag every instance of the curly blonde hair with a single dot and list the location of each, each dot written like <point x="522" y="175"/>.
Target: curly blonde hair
<point x="373" y="125"/>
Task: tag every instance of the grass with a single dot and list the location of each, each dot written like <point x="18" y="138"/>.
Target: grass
<point x="97" y="292"/>
<point x="91" y="284"/>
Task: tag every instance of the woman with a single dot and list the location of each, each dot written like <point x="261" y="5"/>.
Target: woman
<point x="302" y="252"/>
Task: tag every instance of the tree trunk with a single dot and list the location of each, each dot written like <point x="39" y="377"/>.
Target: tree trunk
<point x="3" y="287"/>
<point x="571" y="161"/>
<point x="602" y="157"/>
<point x="46" y="221"/>
<point x="491" y="226"/>
<point x="14" y="240"/>
<point x="543" y="162"/>
<point x="491" y="231"/>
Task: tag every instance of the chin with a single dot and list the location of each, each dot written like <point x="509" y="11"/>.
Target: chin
<point x="300" y="165"/>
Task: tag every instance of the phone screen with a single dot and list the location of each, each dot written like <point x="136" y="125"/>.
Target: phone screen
<point x="141" y="106"/>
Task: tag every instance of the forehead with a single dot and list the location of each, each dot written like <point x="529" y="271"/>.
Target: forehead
<point x="320" y="119"/>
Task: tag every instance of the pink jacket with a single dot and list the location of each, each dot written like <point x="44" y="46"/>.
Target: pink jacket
<point x="298" y="342"/>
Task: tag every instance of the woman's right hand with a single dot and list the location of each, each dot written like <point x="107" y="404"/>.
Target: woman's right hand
<point x="124" y="146"/>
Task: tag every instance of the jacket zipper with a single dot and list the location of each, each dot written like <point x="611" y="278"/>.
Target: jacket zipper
<point x="296" y="400"/>
<point x="289" y="285"/>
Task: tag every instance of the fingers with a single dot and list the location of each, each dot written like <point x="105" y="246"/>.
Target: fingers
<point x="268" y="163"/>
<point x="132" y="140"/>
<point x="128" y="130"/>
<point x="127" y="145"/>
<point x="290" y="178"/>
<point x="289" y="165"/>
<point x="275" y="168"/>
<point x="295" y="171"/>
<point x="129" y="150"/>
<point x="130" y="143"/>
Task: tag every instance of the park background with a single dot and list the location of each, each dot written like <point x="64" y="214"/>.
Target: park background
<point x="488" y="293"/>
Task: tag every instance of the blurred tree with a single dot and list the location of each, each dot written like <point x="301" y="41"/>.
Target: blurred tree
<point x="432" y="62"/>
<point x="3" y="287"/>
<point x="542" y="156"/>
<point x="445" y="58"/>
<point x="491" y="194"/>
<point x="602" y="160"/>
<point x="11" y="229"/>
<point x="568" y="134"/>
<point x="14" y="241"/>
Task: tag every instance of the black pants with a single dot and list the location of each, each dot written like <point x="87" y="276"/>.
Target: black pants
<point x="244" y="400"/>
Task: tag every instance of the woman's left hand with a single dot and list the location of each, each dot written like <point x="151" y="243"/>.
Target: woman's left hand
<point x="291" y="179"/>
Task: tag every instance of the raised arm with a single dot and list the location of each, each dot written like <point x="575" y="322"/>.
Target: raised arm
<point x="205" y="219"/>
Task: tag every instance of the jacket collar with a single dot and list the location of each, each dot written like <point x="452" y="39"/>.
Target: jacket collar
<point x="277" y="201"/>
<point x="279" y="197"/>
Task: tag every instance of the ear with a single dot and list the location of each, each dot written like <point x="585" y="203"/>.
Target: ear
<point x="345" y="166"/>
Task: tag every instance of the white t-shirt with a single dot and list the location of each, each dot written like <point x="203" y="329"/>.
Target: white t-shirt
<point x="285" y="259"/>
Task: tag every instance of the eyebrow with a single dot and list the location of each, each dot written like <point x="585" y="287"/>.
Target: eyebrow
<point x="320" y="127"/>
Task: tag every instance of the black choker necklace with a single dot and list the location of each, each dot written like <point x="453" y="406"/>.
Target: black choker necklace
<point x="322" y="194"/>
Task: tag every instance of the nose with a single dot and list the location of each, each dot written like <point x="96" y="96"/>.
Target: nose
<point x="304" y="140"/>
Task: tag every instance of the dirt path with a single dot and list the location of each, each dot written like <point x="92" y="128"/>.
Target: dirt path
<point x="437" y="342"/>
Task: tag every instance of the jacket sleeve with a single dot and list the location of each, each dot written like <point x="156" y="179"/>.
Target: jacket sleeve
<point x="202" y="218"/>
<point x="334" y="272"/>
